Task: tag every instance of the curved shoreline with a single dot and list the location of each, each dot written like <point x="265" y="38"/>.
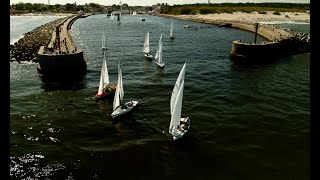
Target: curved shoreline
<point x="239" y="21"/>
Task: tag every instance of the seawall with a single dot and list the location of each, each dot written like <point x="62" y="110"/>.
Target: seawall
<point x="26" y="48"/>
<point x="61" y="55"/>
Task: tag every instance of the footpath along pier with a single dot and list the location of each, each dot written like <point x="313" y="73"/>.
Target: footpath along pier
<point x="61" y="56"/>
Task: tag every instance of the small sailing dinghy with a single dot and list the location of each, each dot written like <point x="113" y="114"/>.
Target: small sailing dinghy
<point x="158" y="55"/>
<point x="171" y="31"/>
<point x="119" y="108"/>
<point x="104" y="45"/>
<point x="146" y="47"/>
<point x="178" y="126"/>
<point x="105" y="89"/>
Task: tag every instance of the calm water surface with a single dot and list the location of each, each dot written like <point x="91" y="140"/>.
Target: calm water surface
<point x="248" y="122"/>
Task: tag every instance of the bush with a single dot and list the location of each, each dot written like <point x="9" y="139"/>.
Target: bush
<point x="245" y="10"/>
<point x="204" y="10"/>
<point x="276" y="13"/>
<point x="186" y="10"/>
<point x="262" y="12"/>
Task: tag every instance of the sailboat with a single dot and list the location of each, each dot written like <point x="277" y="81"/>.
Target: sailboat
<point x="178" y="126"/>
<point x="146" y="46"/>
<point x="119" y="108"/>
<point x="158" y="55"/>
<point x="105" y="89"/>
<point x="104" y="46"/>
<point x="171" y="31"/>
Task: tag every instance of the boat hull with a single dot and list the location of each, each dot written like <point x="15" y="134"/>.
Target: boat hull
<point x="121" y="111"/>
<point x="160" y="65"/>
<point x="106" y="94"/>
<point x="148" y="56"/>
<point x="181" y="131"/>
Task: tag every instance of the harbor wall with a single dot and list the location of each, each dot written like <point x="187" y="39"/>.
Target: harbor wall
<point x="244" y="52"/>
<point x="72" y="63"/>
<point x="67" y="58"/>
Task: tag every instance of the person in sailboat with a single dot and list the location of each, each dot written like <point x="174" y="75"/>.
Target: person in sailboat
<point x="125" y="105"/>
<point x="184" y="125"/>
<point x="110" y="88"/>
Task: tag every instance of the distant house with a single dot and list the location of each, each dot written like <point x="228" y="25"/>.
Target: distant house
<point x="80" y="13"/>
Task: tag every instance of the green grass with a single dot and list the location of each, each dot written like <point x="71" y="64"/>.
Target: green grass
<point x="234" y="7"/>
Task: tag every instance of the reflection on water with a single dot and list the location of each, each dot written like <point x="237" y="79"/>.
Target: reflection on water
<point x="55" y="82"/>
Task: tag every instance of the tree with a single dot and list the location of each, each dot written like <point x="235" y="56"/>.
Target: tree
<point x="114" y="7"/>
<point x="125" y="6"/>
<point x="69" y="7"/>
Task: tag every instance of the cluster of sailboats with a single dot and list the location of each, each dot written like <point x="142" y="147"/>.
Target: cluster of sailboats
<point x="158" y="56"/>
<point x="178" y="126"/>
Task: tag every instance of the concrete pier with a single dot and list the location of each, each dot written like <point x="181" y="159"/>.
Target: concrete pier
<point x="61" y="56"/>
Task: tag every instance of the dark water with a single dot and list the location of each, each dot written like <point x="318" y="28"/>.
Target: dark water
<point x="248" y="122"/>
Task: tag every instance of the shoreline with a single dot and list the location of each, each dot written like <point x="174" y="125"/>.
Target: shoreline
<point x="246" y="21"/>
<point x="43" y="14"/>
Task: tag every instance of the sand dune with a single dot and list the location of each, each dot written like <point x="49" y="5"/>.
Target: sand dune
<point x="256" y="17"/>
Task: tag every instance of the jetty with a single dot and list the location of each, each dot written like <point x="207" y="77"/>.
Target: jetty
<point x="280" y="41"/>
<point x="26" y="48"/>
<point x="61" y="56"/>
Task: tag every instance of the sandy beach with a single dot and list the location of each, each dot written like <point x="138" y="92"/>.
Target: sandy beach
<point x="256" y="17"/>
<point x="245" y="21"/>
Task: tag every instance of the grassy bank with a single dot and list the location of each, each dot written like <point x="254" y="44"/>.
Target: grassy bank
<point x="188" y="9"/>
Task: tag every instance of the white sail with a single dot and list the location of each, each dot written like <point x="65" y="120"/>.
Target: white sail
<point x="112" y="16"/>
<point x="158" y="55"/>
<point x="160" y="41"/>
<point x="100" y="90"/>
<point x="104" y="76"/>
<point x="103" y="46"/>
<point x="146" y="46"/>
<point x="176" y="113"/>
<point x="106" y="73"/>
<point x="118" y="97"/>
<point x="179" y="82"/>
<point x="171" y="30"/>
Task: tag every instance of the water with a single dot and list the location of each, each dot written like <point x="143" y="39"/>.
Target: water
<point x="28" y="23"/>
<point x="248" y="122"/>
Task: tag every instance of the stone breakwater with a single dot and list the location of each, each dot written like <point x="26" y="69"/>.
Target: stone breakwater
<point x="26" y="48"/>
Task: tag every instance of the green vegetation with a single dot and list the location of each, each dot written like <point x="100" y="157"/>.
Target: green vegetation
<point x="67" y="8"/>
<point x="166" y="9"/>
<point x="235" y="7"/>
